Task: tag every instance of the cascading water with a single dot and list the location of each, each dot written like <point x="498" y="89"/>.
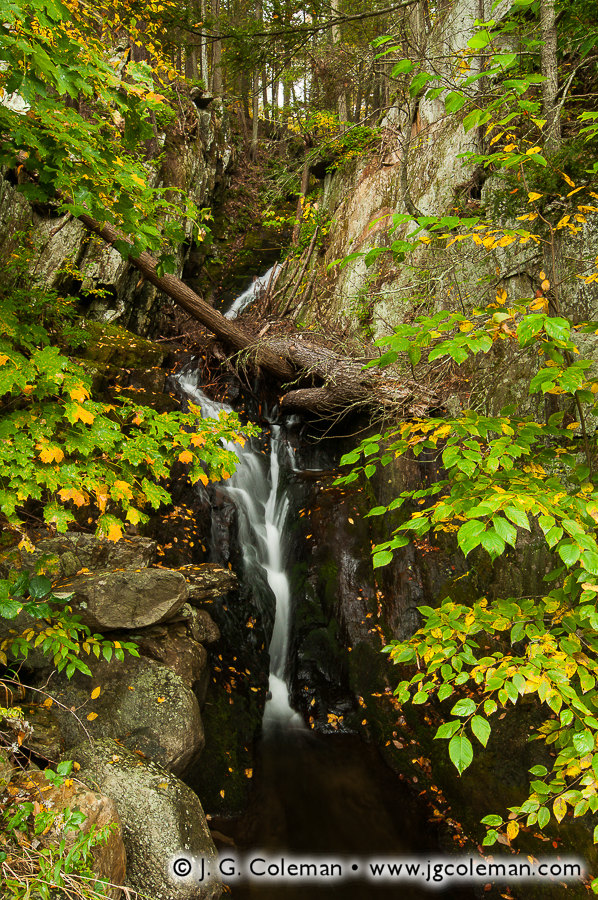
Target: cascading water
<point x="312" y="793"/>
<point x="253" y="291"/>
<point x="262" y="507"/>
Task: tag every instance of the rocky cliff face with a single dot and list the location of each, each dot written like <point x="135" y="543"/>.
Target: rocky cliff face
<point x="195" y="155"/>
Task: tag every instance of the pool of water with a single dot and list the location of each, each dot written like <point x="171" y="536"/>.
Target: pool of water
<point x="331" y="795"/>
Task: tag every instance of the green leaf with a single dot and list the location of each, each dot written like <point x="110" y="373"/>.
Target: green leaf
<point x="454" y="102"/>
<point x="460" y="752"/>
<point x="469" y="535"/>
<point x="506" y="531"/>
<point x="492" y="820"/>
<point x="464" y="707"/>
<point x="39" y="586"/>
<point x="517" y="516"/>
<point x="448" y="729"/>
<point x="403" y="67"/>
<point x="382" y="558"/>
<point x="583" y="741"/>
<point x="481" y="728"/>
<point x="543" y="817"/>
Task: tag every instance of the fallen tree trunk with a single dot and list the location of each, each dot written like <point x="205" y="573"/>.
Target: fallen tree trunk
<point x="184" y="297"/>
<point x="344" y="385"/>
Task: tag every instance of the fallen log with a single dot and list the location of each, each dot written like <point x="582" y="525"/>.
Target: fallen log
<point x="341" y="384"/>
<point x="184" y="297"/>
<point x="346" y="385"/>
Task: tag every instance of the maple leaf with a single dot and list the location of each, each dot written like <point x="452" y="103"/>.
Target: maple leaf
<point x="84" y="415"/>
<point x="79" y="393"/>
<point x="186" y="456"/>
<point x="73" y="494"/>
<point x="51" y="454"/>
<point x="114" y="532"/>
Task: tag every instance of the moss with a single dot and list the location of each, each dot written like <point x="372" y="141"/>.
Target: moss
<point x="112" y="345"/>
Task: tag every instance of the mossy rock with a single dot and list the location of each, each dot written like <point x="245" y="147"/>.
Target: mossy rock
<point x="115" y="346"/>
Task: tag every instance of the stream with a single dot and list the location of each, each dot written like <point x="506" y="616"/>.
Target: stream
<point x="313" y="794"/>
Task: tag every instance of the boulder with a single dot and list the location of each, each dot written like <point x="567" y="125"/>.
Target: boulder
<point x="208" y="581"/>
<point x="70" y="552"/>
<point x="203" y="627"/>
<point x="161" y="818"/>
<point x="109" y="858"/>
<point x="128" y="599"/>
<point x="142" y="703"/>
<point x="173" y="647"/>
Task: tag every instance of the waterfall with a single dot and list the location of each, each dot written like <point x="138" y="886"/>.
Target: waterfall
<point x="253" y="291"/>
<point x="262" y="507"/>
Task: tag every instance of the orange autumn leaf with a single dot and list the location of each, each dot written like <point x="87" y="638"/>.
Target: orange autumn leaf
<point x="114" y="532"/>
<point x="77" y="496"/>
<point x="101" y="497"/>
<point x="198" y="440"/>
<point x="83" y="415"/>
<point x="51" y="454"/>
<point x="79" y="393"/>
<point x="186" y="456"/>
<point x="204" y="479"/>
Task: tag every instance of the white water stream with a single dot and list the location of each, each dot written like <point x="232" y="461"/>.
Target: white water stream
<point x="262" y="507"/>
<point x="253" y="291"/>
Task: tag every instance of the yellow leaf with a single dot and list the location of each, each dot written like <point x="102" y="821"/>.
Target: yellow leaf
<point x="510" y="147"/>
<point x="198" y="440"/>
<point x="248" y="773"/>
<point x="114" y="532"/>
<point x="204" y="479"/>
<point x="133" y="515"/>
<point x="186" y="456"/>
<point x="545" y="284"/>
<point x="138" y="180"/>
<point x="91" y="716"/>
<point x="51" y="454"/>
<point x="571" y="184"/>
<point x="512" y="830"/>
<point x="161" y="699"/>
<point x="102" y="497"/>
<point x="83" y="415"/>
<point x="123" y="488"/>
<point x="73" y="494"/>
<point x="96" y="693"/>
<point x="3" y="358"/>
<point x="532" y="195"/>
<point x="559" y="808"/>
<point x="79" y="393"/>
<point x="533" y="150"/>
<point x="48" y="702"/>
